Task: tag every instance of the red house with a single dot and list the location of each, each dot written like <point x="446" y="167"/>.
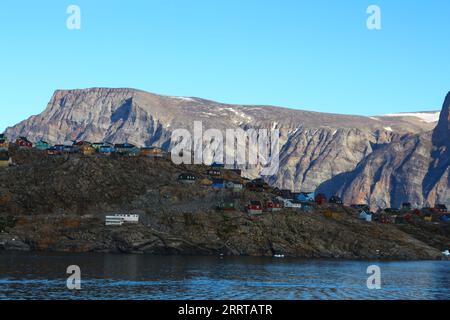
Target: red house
<point x="320" y="199"/>
<point x="24" y="142"/>
<point x="274" y="206"/>
<point x="254" y="207"/>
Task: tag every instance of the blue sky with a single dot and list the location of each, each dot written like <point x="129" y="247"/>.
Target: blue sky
<point x="315" y="55"/>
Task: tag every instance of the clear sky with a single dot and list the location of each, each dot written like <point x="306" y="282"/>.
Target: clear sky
<point x="315" y="55"/>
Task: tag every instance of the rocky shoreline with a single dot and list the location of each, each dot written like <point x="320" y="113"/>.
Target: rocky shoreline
<point x="306" y="235"/>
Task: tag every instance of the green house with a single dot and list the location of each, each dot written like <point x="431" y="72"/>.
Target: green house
<point x="42" y="145"/>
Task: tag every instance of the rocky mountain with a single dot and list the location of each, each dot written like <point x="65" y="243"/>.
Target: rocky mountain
<point x="381" y="160"/>
<point x="415" y="168"/>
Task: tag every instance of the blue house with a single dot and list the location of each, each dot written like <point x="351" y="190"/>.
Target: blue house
<point x="218" y="183"/>
<point x="304" y="196"/>
<point x="106" y="149"/>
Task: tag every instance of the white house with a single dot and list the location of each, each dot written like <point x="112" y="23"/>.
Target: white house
<point x="364" y="215"/>
<point x="130" y="218"/>
<point x="113" y="221"/>
<point x="292" y="204"/>
<point x="120" y="219"/>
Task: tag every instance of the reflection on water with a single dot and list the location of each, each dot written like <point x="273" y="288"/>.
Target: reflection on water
<point x="43" y="276"/>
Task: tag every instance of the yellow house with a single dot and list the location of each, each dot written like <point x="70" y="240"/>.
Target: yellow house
<point x="152" y="152"/>
<point x="206" y="182"/>
<point x="87" y="150"/>
<point x="4" y="161"/>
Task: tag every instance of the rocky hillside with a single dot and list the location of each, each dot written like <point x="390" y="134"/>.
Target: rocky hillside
<point x="317" y="149"/>
<point x="59" y="204"/>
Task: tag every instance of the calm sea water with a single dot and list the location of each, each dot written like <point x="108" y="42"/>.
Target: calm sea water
<point x="43" y="276"/>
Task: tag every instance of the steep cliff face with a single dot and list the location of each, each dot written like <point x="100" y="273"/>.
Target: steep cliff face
<point x="317" y="149"/>
<point x="414" y="169"/>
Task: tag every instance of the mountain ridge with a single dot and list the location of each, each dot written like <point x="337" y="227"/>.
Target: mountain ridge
<point x="316" y="148"/>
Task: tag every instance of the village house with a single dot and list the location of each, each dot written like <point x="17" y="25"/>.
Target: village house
<point x="187" y="178"/>
<point x="255" y="208"/>
<point x="152" y="152"/>
<point x="42" y="145"/>
<point x="120" y="219"/>
<point x="23" y="142"/>
<point x="365" y="215"/>
<point x="274" y="205"/>
<point x="292" y="203"/>
<point x="320" y="199"/>
<point x="126" y="149"/>
<point x="55" y="150"/>
<point x="70" y="149"/>
<point x="234" y="185"/>
<point x="305" y="196"/>
<point x="85" y="148"/>
<point x="218" y="183"/>
<point x="335" y="200"/>
<point x="206" y="182"/>
<point x="106" y="149"/>
<point x="4" y="144"/>
<point x="213" y="173"/>
<point x="5" y="160"/>
<point x="445" y="217"/>
<point x="97" y="145"/>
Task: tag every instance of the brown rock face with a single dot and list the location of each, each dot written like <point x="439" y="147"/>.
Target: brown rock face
<point x="379" y="160"/>
<point x="415" y="169"/>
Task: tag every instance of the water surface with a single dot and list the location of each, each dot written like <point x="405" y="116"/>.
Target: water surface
<point x="144" y="277"/>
